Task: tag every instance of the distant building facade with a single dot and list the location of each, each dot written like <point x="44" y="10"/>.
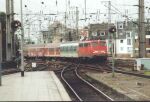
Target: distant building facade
<point x="127" y="43"/>
<point x="124" y="43"/>
<point x="57" y="32"/>
<point x="147" y="32"/>
<point x="99" y="31"/>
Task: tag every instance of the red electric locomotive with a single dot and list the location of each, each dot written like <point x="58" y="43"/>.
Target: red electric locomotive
<point x="94" y="48"/>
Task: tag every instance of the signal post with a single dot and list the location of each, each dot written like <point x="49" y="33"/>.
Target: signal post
<point x="112" y="31"/>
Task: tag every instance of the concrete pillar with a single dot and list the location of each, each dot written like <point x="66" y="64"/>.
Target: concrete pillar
<point x="8" y="32"/>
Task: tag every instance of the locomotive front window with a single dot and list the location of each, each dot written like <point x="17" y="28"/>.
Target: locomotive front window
<point x="86" y="44"/>
<point x="94" y="44"/>
<point x="102" y="43"/>
<point x="81" y="45"/>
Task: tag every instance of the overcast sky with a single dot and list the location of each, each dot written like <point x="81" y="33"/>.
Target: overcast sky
<point x="50" y="5"/>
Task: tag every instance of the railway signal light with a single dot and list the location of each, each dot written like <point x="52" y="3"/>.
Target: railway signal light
<point x="112" y="30"/>
<point x="15" y="25"/>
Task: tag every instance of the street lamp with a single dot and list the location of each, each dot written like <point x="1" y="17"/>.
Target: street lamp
<point x="22" y="41"/>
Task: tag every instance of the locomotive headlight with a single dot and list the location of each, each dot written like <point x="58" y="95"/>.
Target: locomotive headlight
<point x="95" y="52"/>
<point x="103" y="52"/>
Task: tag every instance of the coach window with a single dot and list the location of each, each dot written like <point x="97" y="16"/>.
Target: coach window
<point x="49" y="49"/>
<point x="121" y="41"/>
<point x="64" y="49"/>
<point x="61" y="48"/>
<point x="71" y="48"/>
<point x="67" y="48"/>
<point x="57" y="49"/>
<point x="74" y="48"/>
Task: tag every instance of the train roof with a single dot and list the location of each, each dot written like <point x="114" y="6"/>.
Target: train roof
<point x="69" y="44"/>
<point x="34" y="45"/>
<point x="88" y="41"/>
<point x="52" y="45"/>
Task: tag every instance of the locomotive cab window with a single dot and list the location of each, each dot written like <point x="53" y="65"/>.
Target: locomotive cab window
<point x="86" y="44"/>
<point x="61" y="48"/>
<point x="94" y="44"/>
<point x="102" y="43"/>
<point x="81" y="45"/>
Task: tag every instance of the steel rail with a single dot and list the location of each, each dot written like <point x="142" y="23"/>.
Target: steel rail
<point x="130" y="73"/>
<point x="106" y="96"/>
<point x="69" y="84"/>
<point x="83" y="80"/>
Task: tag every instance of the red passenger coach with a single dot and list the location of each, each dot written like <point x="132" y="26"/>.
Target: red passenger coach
<point x="52" y="50"/>
<point x="34" y="50"/>
<point x="95" y="48"/>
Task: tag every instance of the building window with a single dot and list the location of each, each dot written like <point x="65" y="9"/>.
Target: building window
<point x="129" y="49"/>
<point x="147" y="32"/>
<point x="120" y="26"/>
<point x="102" y="33"/>
<point x="128" y="41"/>
<point x="121" y="48"/>
<point x="121" y="41"/>
<point x="128" y="34"/>
<point x="148" y="51"/>
<point x="136" y="51"/>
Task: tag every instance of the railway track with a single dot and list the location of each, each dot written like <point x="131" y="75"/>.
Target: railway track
<point x="108" y="68"/>
<point x="83" y="90"/>
<point x="129" y="73"/>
